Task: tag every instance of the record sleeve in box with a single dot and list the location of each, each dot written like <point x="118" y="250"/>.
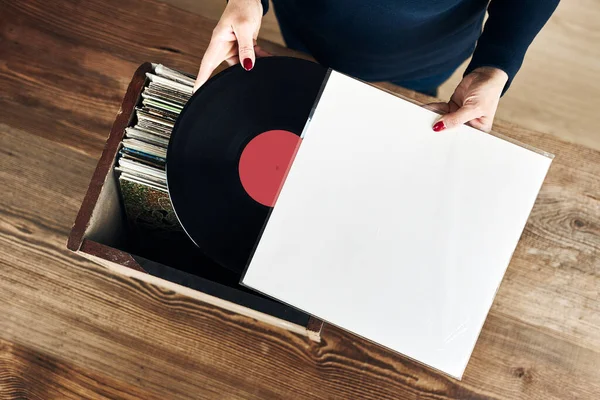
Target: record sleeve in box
<point x="392" y="231"/>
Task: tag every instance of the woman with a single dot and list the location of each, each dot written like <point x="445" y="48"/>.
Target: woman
<point x="416" y="44"/>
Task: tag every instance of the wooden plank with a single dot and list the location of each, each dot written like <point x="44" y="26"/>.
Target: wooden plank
<point x="64" y="69"/>
<point x="69" y="63"/>
<point x="28" y="374"/>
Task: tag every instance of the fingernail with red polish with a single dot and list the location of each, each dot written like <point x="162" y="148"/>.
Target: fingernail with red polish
<point x="439" y="126"/>
<point x="247" y="64"/>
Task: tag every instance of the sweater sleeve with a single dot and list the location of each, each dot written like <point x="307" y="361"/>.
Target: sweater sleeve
<point x="511" y="27"/>
<point x="265" y="4"/>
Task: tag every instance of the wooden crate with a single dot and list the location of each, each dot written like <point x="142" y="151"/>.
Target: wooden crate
<point x="101" y="234"/>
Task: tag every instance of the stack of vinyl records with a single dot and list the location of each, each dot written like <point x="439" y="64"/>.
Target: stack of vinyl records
<point x="141" y="162"/>
<point x="153" y="229"/>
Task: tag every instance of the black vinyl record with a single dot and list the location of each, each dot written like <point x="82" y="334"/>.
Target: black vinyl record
<point x="208" y="140"/>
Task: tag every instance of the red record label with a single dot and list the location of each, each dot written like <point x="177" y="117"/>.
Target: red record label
<point x="265" y="162"/>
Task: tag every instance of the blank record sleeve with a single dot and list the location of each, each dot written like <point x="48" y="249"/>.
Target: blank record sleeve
<point x="394" y="232"/>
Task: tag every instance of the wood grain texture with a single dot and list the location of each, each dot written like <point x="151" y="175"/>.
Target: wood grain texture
<point x="72" y="329"/>
<point x="27" y="374"/>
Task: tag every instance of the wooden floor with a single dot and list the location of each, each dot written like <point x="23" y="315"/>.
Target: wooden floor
<point x="557" y="91"/>
<point x="70" y="329"/>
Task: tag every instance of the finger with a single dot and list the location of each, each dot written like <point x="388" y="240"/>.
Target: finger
<point x="215" y="54"/>
<point x="260" y="52"/>
<point x="244" y="34"/>
<point x="440" y="108"/>
<point x="458" y="117"/>
<point x="233" y="60"/>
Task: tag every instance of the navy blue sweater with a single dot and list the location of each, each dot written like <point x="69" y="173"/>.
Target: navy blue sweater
<point x="403" y="40"/>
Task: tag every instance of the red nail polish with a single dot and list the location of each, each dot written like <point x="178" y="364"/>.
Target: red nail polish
<point x="439" y="126"/>
<point x="247" y="64"/>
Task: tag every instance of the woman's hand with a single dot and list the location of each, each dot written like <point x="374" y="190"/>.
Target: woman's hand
<point x="474" y="101"/>
<point x="233" y="39"/>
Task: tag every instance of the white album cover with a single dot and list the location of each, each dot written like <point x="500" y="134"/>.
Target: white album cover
<point x="394" y="232"/>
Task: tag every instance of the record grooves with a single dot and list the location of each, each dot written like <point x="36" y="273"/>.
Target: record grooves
<point x="231" y="147"/>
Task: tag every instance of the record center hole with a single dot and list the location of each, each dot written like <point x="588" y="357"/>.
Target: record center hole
<point x="265" y="162"/>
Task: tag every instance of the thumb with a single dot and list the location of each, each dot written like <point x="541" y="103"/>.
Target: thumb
<point x="458" y="117"/>
<point x="244" y="35"/>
